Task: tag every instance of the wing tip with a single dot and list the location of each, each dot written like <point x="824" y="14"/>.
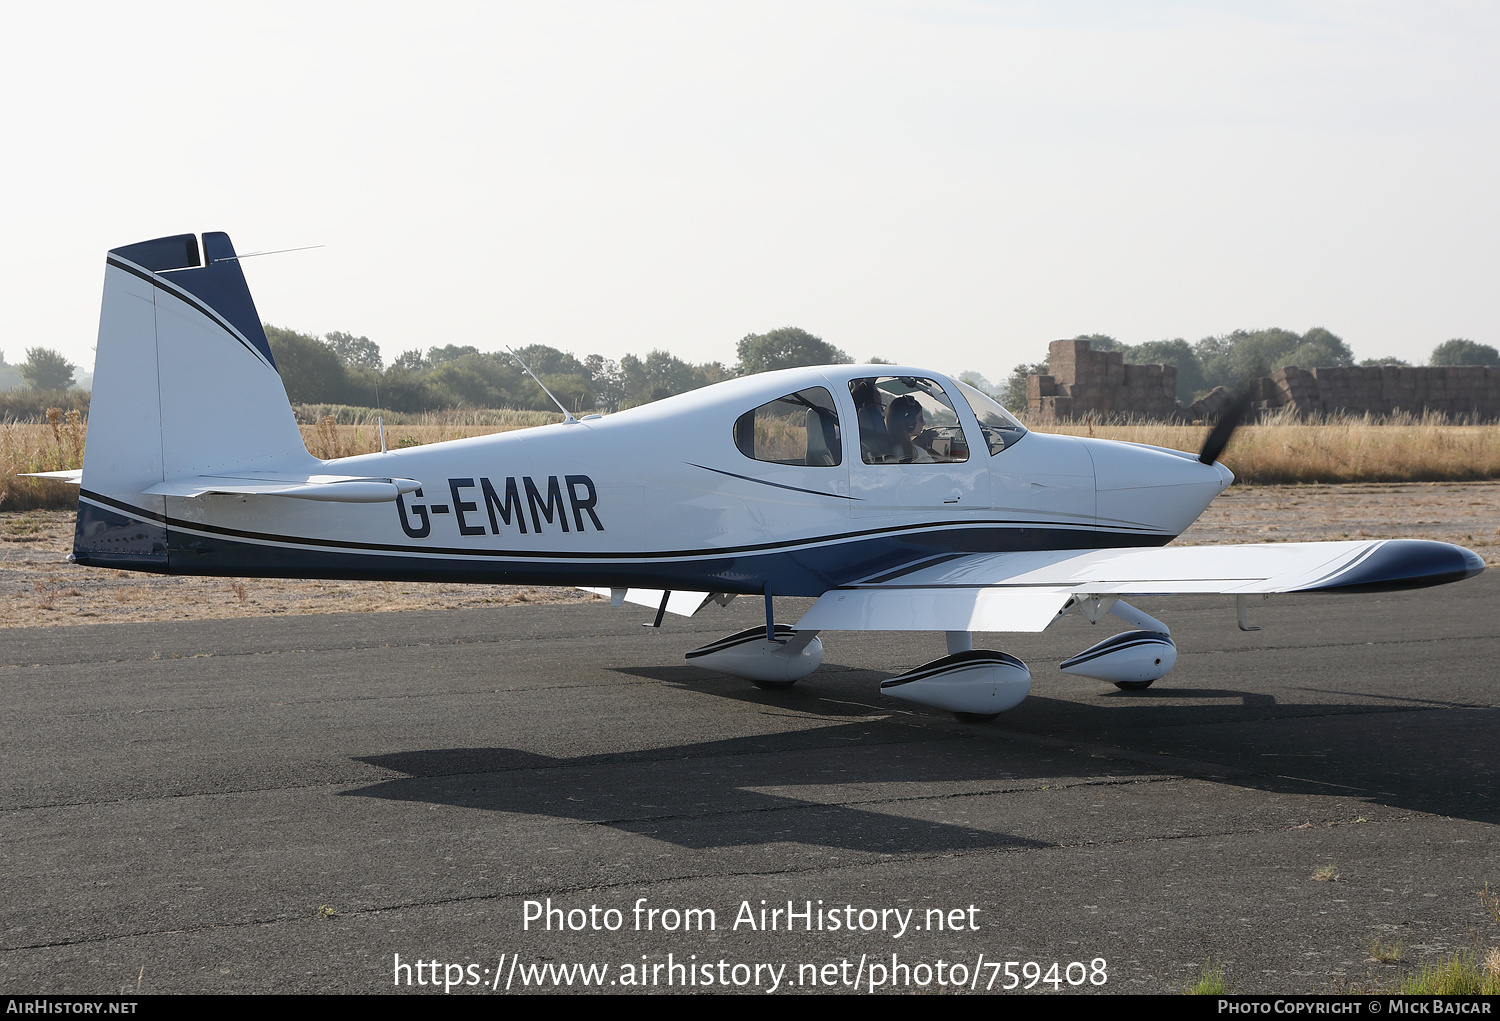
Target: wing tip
<point x="1406" y="564"/>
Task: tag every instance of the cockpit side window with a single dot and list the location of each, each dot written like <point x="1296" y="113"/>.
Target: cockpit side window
<point x="999" y="426"/>
<point x="906" y="420"/>
<point x="800" y="428"/>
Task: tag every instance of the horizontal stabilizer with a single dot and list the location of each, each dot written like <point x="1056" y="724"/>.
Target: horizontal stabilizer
<point x="74" y="476"/>
<point x="326" y="488"/>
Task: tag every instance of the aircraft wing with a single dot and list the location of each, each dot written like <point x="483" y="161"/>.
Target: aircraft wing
<point x="1026" y="591"/>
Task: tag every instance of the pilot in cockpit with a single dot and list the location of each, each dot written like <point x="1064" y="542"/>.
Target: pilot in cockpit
<point x="907" y="429"/>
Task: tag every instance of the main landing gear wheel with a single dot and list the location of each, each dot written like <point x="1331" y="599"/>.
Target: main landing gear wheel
<point x="975" y="686"/>
<point x="1130" y="660"/>
<point x="774" y="666"/>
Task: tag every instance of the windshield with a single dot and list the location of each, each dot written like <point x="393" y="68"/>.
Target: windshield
<point x="999" y="426"/>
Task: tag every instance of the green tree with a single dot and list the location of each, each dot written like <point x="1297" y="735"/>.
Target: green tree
<point x="45" y="369"/>
<point x="1320" y="347"/>
<point x="1013" y="394"/>
<point x="364" y="386"/>
<point x="448" y="353"/>
<point x="714" y="372"/>
<point x="1384" y="361"/>
<point x="1179" y="353"/>
<point x="352" y="350"/>
<point x="660" y="374"/>
<point x="1450" y="352"/>
<point x="544" y="359"/>
<point x="1232" y="359"/>
<point x="785" y="348"/>
<point x="310" y="371"/>
<point x="464" y="382"/>
<point x="607" y="380"/>
<point x="405" y="389"/>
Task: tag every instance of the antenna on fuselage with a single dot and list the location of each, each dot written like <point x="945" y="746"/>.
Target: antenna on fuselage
<point x="279" y="251"/>
<point x="568" y="418"/>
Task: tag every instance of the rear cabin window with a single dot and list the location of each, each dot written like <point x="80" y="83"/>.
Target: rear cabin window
<point x="800" y="428"/>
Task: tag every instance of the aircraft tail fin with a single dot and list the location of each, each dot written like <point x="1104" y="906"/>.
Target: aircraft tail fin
<point x="184" y="383"/>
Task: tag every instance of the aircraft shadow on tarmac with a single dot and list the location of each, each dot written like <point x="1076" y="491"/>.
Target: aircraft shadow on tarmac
<point x="1420" y="756"/>
<point x="703" y="795"/>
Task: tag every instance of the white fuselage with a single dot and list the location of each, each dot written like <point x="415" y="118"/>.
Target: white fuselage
<point x="660" y="496"/>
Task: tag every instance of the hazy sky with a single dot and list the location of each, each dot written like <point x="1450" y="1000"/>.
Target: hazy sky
<point x="948" y="183"/>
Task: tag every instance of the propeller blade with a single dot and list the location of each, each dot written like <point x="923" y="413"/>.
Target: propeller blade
<point x="1218" y="438"/>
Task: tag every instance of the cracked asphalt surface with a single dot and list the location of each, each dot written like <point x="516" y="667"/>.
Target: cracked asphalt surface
<point x="285" y="803"/>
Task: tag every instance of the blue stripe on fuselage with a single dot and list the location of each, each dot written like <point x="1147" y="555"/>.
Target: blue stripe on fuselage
<point x="808" y="566"/>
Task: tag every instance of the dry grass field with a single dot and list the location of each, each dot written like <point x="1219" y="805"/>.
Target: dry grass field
<point x="331" y="437"/>
<point x="1354" y="449"/>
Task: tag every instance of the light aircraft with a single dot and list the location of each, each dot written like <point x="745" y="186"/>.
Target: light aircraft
<point x="897" y="497"/>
